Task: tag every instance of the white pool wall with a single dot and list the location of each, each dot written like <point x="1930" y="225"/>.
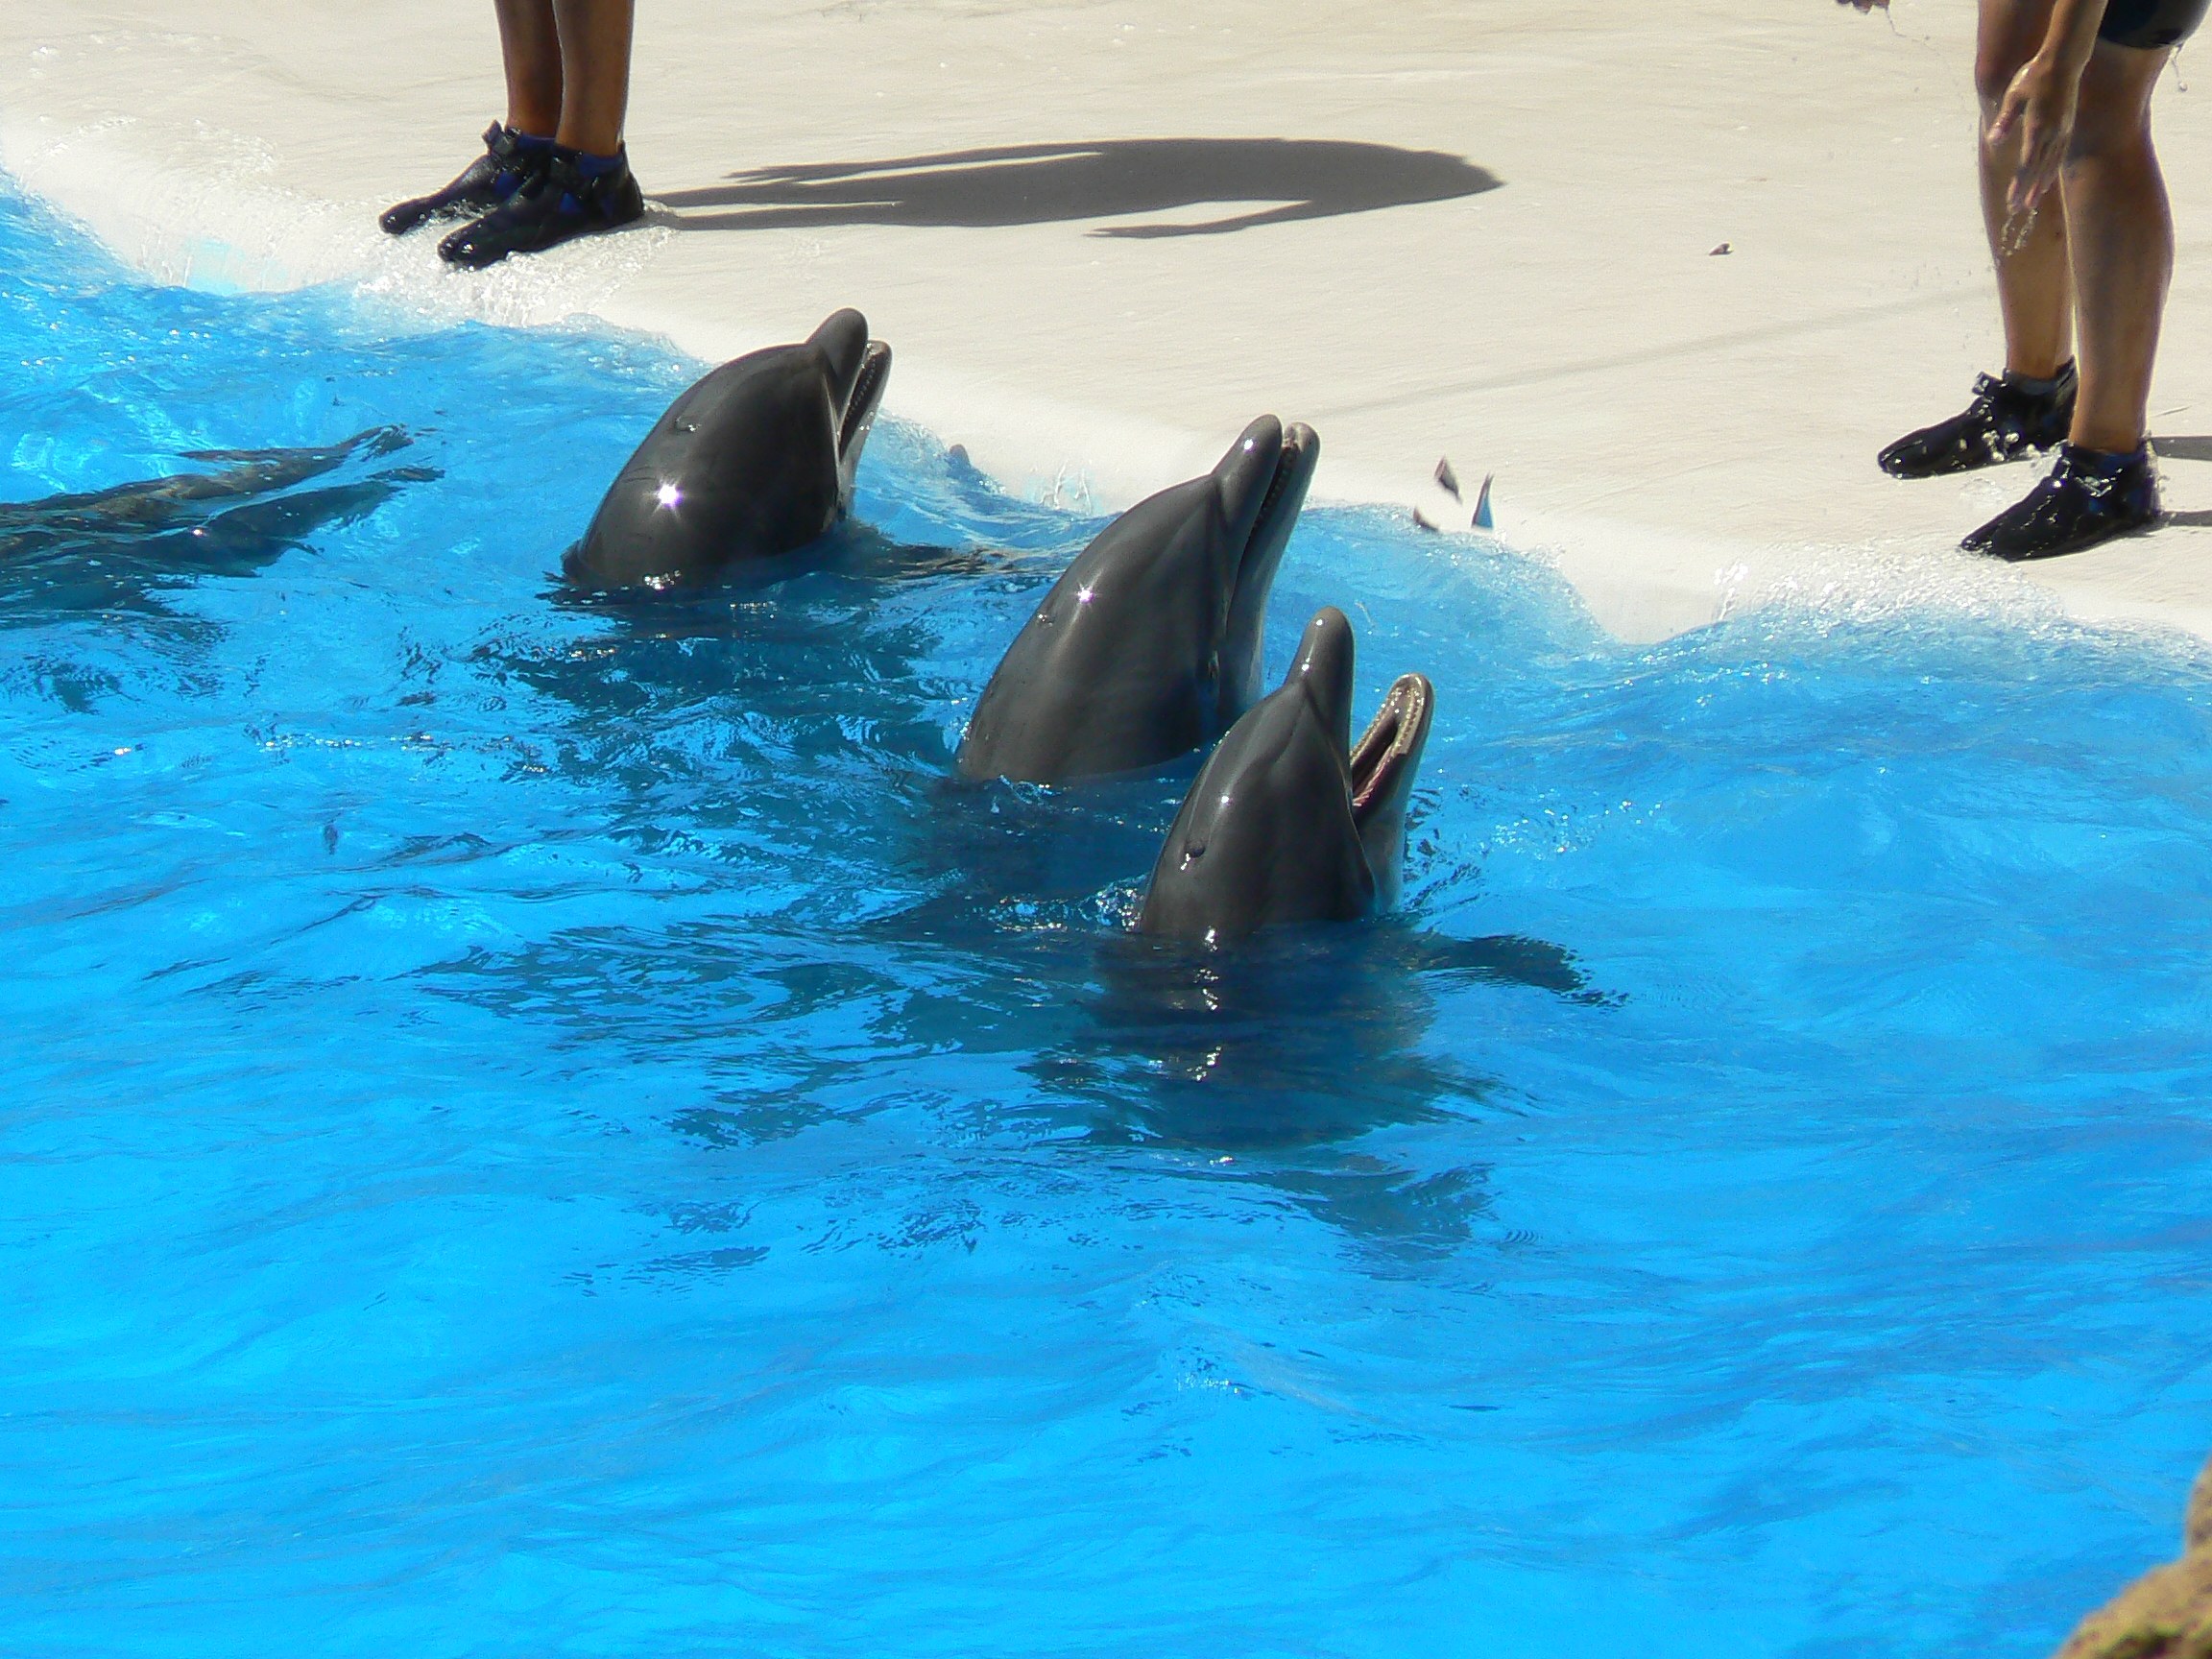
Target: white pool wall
<point x="1683" y="432"/>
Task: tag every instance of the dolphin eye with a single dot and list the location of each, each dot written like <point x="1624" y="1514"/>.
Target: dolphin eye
<point x="1193" y="851"/>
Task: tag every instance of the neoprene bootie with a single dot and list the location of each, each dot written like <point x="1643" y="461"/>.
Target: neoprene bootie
<point x="2002" y="423"/>
<point x="2088" y="497"/>
<point x="579" y="196"/>
<point x="512" y="161"/>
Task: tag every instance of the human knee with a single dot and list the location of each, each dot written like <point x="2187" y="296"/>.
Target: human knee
<point x="2007" y="36"/>
<point x="1994" y="68"/>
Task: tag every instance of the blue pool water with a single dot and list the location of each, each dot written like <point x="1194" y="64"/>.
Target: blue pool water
<point x="550" y="1129"/>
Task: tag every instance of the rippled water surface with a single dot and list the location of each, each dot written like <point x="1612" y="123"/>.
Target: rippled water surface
<point x="538" y="1128"/>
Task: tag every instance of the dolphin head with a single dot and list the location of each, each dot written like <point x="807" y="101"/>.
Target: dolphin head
<point x="754" y="460"/>
<point x="1287" y="821"/>
<point x="1149" y="644"/>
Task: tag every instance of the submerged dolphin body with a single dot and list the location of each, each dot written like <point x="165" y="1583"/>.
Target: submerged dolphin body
<point x="117" y="546"/>
<point x="1149" y="645"/>
<point x="755" y="460"/>
<point x="1287" y="821"/>
<point x="152" y="507"/>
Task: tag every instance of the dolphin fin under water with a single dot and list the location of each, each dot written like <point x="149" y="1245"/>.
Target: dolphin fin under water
<point x="754" y="460"/>
<point x="1289" y="820"/>
<point x="1149" y="644"/>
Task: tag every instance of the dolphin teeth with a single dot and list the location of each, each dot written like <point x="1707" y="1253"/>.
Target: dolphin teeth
<point x="1399" y="732"/>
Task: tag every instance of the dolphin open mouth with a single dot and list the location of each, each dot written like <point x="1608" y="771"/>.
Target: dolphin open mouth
<point x="867" y="393"/>
<point x="1385" y="756"/>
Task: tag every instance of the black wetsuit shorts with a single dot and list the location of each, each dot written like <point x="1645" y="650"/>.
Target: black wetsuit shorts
<point x="2150" y="24"/>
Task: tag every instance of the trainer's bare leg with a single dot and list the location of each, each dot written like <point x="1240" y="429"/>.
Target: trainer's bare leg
<point x="595" y="66"/>
<point x="2034" y="279"/>
<point x="529" y="48"/>
<point x="2122" y="233"/>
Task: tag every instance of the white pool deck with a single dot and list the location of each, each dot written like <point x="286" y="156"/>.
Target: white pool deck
<point x="1682" y="432"/>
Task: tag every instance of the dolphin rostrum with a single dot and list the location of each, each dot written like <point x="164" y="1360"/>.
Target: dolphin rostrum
<point x="1149" y="644"/>
<point x="1287" y="821"/>
<point x="754" y="460"/>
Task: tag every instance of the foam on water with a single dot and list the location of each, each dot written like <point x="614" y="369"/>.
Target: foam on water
<point x="554" y="1128"/>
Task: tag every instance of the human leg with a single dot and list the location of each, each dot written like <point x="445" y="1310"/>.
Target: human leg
<point x="596" y="71"/>
<point x="530" y="51"/>
<point x="587" y="187"/>
<point x="2030" y="408"/>
<point x="2122" y="233"/>
<point x="517" y="150"/>
<point x="2034" y="287"/>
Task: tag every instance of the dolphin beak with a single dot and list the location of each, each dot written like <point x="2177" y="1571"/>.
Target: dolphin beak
<point x="861" y="402"/>
<point x="1262" y="481"/>
<point x="843" y="341"/>
<point x="1298" y="454"/>
<point x="1246" y="476"/>
<point x="857" y="369"/>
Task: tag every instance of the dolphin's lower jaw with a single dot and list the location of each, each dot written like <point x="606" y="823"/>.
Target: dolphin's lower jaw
<point x="860" y="418"/>
<point x="1390" y="748"/>
<point x="1382" y="770"/>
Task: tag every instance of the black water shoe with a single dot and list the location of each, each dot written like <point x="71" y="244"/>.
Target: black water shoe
<point x="2088" y="497"/>
<point x="2003" y="421"/>
<point x="579" y="196"/>
<point x="512" y="161"/>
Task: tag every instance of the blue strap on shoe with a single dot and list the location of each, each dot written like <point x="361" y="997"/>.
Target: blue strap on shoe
<point x="519" y="154"/>
<point x="576" y="171"/>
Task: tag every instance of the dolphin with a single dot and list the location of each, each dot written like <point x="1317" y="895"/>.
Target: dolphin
<point x="754" y="460"/>
<point x="1149" y="644"/>
<point x="121" y="545"/>
<point x="1287" y="821"/>
<point x="152" y="505"/>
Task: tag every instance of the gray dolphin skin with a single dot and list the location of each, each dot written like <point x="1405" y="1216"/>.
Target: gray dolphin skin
<point x="1149" y="644"/>
<point x="755" y="460"/>
<point x="153" y="505"/>
<point x="1287" y="821"/>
